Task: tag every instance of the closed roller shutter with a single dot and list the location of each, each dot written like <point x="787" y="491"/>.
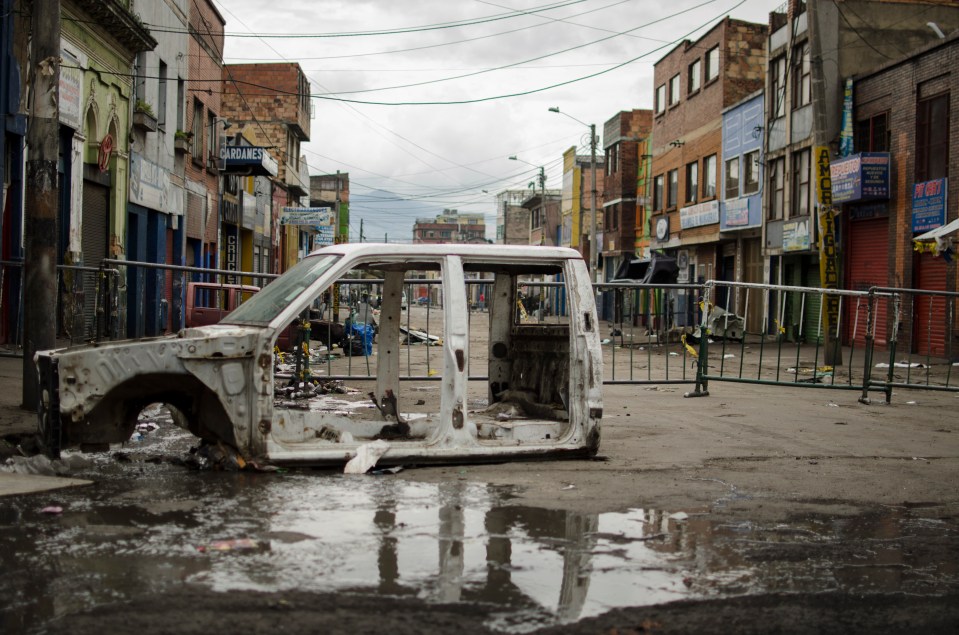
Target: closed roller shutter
<point x="93" y="237"/>
<point x="930" y="315"/>
<point x="867" y="267"/>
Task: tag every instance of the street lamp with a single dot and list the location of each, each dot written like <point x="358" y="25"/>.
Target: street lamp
<point x="593" y="247"/>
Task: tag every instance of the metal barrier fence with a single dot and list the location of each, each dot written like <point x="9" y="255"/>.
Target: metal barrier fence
<point x="85" y="305"/>
<point x="656" y="334"/>
<point x="919" y="330"/>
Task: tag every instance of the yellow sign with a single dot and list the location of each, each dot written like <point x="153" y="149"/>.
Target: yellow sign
<point x="829" y="268"/>
<point x="823" y="176"/>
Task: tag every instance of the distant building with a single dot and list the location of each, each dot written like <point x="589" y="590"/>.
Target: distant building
<point x="512" y="219"/>
<point x="450" y="227"/>
<point x="333" y="190"/>
<point x="577" y="199"/>
<point x="544" y="217"/>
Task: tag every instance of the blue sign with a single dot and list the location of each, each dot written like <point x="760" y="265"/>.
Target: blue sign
<point x="861" y="177"/>
<point x="254" y="158"/>
<point x="929" y="205"/>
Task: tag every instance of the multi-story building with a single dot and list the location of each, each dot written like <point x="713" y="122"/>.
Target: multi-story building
<point x="740" y="206"/>
<point x="577" y="201"/>
<point x="693" y="84"/>
<point x="899" y="183"/>
<point x="14" y="34"/>
<point x="204" y="126"/>
<point x="544" y="216"/>
<point x="849" y="37"/>
<point x="450" y="227"/>
<point x="99" y="43"/>
<point x="623" y="134"/>
<point x="155" y="228"/>
<point x="512" y="219"/>
<point x="274" y="98"/>
<point x="333" y="190"/>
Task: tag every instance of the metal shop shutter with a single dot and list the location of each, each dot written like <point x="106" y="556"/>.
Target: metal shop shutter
<point x="811" y="328"/>
<point x="93" y="244"/>
<point x="930" y="313"/>
<point x="867" y="266"/>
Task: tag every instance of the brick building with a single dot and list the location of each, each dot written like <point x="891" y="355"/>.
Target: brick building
<point x="333" y="190"/>
<point x="623" y="134"/>
<point x="693" y="84"/>
<point x="205" y="125"/>
<point x="275" y="99"/>
<point x="450" y="227"/>
<point x="512" y="219"/>
<point x="851" y="37"/>
<point x="903" y="109"/>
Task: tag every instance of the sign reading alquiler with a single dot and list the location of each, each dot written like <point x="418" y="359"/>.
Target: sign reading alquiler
<point x="306" y="216"/>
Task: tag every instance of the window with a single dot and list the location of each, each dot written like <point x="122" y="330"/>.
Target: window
<point x="672" y="195"/>
<point x="213" y="143"/>
<point x="661" y="98"/>
<point x="777" y="183"/>
<point x="161" y="98"/>
<point x="180" y="92"/>
<point x="674" y="90"/>
<point x="695" y="72"/>
<point x="799" y="197"/>
<point x="658" y="182"/>
<point x="872" y="134"/>
<point x="140" y="73"/>
<point x="932" y="138"/>
<point x="197" y="150"/>
<point x="611" y="217"/>
<point x="732" y="178"/>
<point x="709" y="176"/>
<point x="712" y="64"/>
<point x="612" y="160"/>
<point x="751" y="172"/>
<point x="802" y="95"/>
<point x="777" y="88"/>
<point x="692" y="181"/>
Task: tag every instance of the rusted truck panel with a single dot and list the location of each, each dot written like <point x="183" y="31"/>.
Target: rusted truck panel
<point x="543" y="379"/>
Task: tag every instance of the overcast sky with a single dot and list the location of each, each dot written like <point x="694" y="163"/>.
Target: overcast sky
<point x="513" y="59"/>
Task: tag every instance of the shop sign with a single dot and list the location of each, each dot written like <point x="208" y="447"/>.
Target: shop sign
<point x="698" y="215"/>
<point x="929" y="205"/>
<point x="306" y="216"/>
<point x="861" y="177"/>
<point x="737" y="212"/>
<point x="255" y="160"/>
<point x="796" y="235"/>
<point x="71" y="88"/>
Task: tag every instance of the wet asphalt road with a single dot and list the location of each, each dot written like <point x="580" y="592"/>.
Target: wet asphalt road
<point x="151" y="526"/>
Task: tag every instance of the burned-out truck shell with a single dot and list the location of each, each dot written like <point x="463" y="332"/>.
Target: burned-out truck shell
<point x="218" y="380"/>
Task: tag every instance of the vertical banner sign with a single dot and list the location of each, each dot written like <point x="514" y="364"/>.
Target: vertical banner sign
<point x="846" y="133"/>
<point x="828" y="253"/>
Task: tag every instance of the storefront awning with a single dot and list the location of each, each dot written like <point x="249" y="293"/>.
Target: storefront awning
<point x="937" y="241"/>
<point x="939" y="232"/>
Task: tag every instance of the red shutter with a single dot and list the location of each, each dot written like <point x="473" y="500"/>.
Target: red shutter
<point x="867" y="266"/>
<point x="929" y="312"/>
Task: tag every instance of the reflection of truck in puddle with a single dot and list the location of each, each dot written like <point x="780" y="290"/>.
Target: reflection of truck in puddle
<point x="543" y="380"/>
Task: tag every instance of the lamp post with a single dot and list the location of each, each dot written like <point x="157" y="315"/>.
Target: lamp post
<point x="593" y="247"/>
<point x="542" y="190"/>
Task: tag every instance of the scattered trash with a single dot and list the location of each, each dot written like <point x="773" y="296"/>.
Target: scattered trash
<point x="900" y="365"/>
<point x="239" y="544"/>
<point x="912" y="403"/>
<point x="832" y="405"/>
<point x="674" y="354"/>
<point x="570" y="486"/>
<point x="39" y="464"/>
<point x="679" y="516"/>
<point x="387" y="470"/>
<point x="52" y="510"/>
<point x="366" y="457"/>
<point x="728" y="356"/>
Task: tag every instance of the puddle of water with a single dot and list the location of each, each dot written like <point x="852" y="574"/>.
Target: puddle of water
<point x="146" y="529"/>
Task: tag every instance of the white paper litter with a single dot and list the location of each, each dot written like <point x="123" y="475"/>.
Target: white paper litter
<point x="366" y="457"/>
<point x="679" y="516"/>
<point x="900" y="365"/>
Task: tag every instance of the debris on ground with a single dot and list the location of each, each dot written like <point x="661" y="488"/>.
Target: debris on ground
<point x="53" y="510"/>
<point x="366" y="457"/>
<point x="240" y="544"/>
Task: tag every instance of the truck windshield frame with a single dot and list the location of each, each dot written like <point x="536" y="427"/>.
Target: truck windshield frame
<point x="272" y="299"/>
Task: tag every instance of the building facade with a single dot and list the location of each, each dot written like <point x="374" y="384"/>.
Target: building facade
<point x="694" y="83"/>
<point x="450" y="227"/>
<point x="623" y="134"/>
<point x="274" y="98"/>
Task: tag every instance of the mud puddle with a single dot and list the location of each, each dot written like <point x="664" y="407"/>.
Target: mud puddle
<point x="146" y="529"/>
